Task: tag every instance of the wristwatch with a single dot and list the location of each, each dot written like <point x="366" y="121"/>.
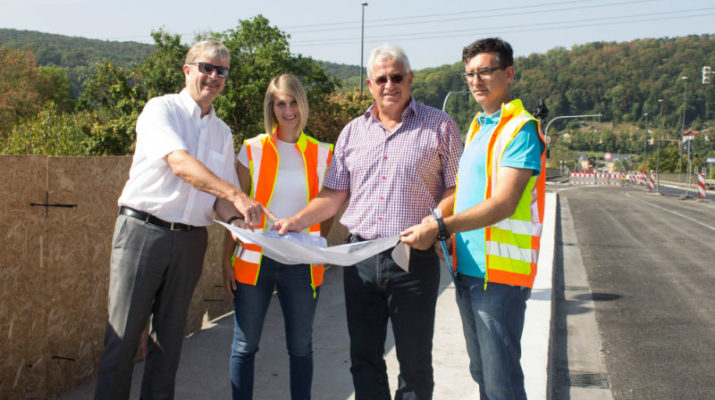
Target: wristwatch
<point x="235" y="217"/>
<point x="442" y="235"/>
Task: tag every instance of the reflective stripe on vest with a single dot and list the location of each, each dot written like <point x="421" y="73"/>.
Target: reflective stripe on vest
<point x="263" y="163"/>
<point x="512" y="244"/>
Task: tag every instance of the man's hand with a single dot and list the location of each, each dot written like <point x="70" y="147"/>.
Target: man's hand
<point x="285" y="225"/>
<point x="239" y="223"/>
<point x="438" y="249"/>
<point x="251" y="209"/>
<point x="421" y="236"/>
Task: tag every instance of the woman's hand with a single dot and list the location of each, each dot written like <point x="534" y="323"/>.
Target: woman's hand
<point x="229" y="279"/>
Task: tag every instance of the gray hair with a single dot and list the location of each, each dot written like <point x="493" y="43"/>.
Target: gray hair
<point x="387" y="51"/>
<point x="209" y="48"/>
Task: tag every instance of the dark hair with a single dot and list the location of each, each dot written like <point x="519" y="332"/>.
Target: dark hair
<point x="502" y="49"/>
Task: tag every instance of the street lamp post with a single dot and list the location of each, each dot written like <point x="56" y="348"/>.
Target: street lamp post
<point x="657" y="147"/>
<point x="645" y="145"/>
<point x="682" y="131"/>
<point x="362" y="44"/>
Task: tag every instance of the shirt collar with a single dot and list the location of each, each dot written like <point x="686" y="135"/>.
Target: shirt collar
<point x="490" y="120"/>
<point x="411" y="109"/>
<point x="192" y="107"/>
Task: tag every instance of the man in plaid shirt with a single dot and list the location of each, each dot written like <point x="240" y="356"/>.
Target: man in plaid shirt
<point x="395" y="163"/>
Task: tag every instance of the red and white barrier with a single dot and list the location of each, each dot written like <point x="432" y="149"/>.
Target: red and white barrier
<point x="593" y="178"/>
<point x="701" y="185"/>
<point x="651" y="181"/>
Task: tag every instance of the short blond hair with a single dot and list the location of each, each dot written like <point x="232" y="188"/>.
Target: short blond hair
<point x="284" y="84"/>
<point x="209" y="48"/>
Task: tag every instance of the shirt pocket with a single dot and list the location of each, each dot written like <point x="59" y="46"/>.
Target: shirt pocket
<point x="215" y="163"/>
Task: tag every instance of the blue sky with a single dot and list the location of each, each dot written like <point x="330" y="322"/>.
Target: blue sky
<point x="432" y="33"/>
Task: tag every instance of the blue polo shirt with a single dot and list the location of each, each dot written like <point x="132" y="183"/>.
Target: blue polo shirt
<point x="523" y="152"/>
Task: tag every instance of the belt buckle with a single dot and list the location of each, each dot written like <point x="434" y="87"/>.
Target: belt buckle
<point x="171" y="227"/>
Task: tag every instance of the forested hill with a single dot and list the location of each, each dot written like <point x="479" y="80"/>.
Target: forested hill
<point x="71" y="52"/>
<point x="74" y="55"/>
<point x="622" y="81"/>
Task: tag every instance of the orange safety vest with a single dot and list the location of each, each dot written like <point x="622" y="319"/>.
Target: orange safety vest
<point x="512" y="244"/>
<point x="263" y="165"/>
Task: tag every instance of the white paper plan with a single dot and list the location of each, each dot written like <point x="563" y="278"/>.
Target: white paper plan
<point x="298" y="248"/>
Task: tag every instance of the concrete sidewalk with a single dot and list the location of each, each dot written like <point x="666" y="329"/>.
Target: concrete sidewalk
<point x="203" y="372"/>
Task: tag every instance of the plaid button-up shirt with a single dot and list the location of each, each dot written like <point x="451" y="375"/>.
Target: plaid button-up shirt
<point x="394" y="178"/>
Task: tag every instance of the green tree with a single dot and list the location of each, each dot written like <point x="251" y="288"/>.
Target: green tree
<point x="260" y="52"/>
<point x="52" y="132"/>
<point x="20" y="98"/>
<point x="54" y="85"/>
<point x="161" y="72"/>
<point x="327" y="121"/>
<point x="116" y="105"/>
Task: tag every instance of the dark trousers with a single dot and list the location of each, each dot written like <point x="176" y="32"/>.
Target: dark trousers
<point x="153" y="272"/>
<point x="377" y="289"/>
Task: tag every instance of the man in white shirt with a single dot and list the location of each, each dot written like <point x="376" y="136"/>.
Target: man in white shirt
<point x="182" y="173"/>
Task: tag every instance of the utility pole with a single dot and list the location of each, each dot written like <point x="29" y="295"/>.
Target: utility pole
<point x="645" y="145"/>
<point x="657" y="151"/>
<point x="682" y="131"/>
<point x="362" y="45"/>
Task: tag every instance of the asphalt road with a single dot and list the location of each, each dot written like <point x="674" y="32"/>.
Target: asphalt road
<point x="650" y="264"/>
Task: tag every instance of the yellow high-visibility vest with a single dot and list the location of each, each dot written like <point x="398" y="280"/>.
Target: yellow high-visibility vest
<point x="512" y="244"/>
<point x="263" y="166"/>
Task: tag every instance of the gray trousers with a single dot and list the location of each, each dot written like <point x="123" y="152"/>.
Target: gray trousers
<point x="153" y="272"/>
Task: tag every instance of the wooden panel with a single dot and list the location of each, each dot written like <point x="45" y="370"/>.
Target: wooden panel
<point x="23" y="281"/>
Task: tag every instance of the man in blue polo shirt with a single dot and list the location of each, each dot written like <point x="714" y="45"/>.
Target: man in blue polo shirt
<point x="494" y="219"/>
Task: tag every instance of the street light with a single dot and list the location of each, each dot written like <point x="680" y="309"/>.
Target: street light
<point x="546" y="131"/>
<point x="444" y="103"/>
<point x="362" y="44"/>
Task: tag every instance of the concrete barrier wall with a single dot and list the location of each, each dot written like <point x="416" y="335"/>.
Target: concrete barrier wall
<point x="57" y="218"/>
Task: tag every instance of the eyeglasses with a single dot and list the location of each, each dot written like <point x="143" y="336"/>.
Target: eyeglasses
<point x="483" y="74"/>
<point x="208" y="69"/>
<point x="381" y="80"/>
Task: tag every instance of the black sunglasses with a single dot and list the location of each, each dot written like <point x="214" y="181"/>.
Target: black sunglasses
<point x="381" y="80"/>
<point x="206" y="68"/>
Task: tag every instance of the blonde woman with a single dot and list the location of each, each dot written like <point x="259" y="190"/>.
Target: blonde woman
<point x="283" y="169"/>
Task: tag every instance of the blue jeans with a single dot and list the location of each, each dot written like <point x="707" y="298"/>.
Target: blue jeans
<point x="298" y="304"/>
<point x="377" y="289"/>
<point x="493" y="320"/>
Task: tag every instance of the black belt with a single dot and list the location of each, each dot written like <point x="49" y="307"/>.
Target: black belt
<point x="356" y="238"/>
<point x="146" y="217"/>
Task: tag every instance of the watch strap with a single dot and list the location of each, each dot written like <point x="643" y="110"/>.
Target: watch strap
<point x="442" y="235"/>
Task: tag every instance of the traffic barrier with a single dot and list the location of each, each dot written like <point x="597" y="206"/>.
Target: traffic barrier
<point x="701" y="185"/>
<point x="593" y="178"/>
<point x="651" y="181"/>
<point x="582" y="178"/>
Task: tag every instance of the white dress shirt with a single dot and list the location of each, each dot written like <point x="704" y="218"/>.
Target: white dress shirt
<point x="169" y="123"/>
